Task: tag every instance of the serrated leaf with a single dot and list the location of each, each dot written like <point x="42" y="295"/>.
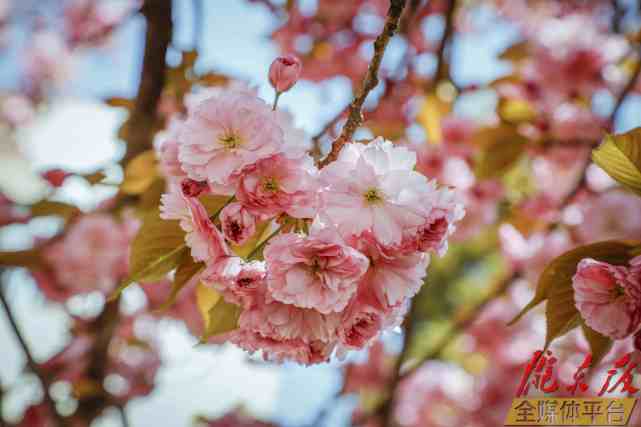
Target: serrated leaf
<point x="218" y="315"/>
<point x="620" y="156"/>
<point x="186" y="271"/>
<point x="150" y="199"/>
<point x="501" y="148"/>
<point x="156" y="250"/>
<point x="140" y="173"/>
<point x="600" y="345"/>
<point x="555" y="284"/>
<point x="48" y="207"/>
<point x="430" y="116"/>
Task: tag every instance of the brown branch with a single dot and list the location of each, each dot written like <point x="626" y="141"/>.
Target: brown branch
<point x="142" y="122"/>
<point x="355" y="116"/>
<point x="447" y="34"/>
<point x="627" y="89"/>
<point x="385" y="410"/>
<point x="31" y="363"/>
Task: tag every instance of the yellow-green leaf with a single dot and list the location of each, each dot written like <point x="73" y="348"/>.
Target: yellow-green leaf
<point x="555" y="284"/>
<point x="94" y="178"/>
<point x="140" y="173"/>
<point x="599" y="345"/>
<point x="501" y="148"/>
<point x="516" y="52"/>
<point x="156" y="250"/>
<point x="515" y="110"/>
<point x="245" y="249"/>
<point x="213" y="203"/>
<point x="48" y="207"/>
<point x="430" y="116"/>
<point x="620" y="156"/>
<point x="187" y="269"/>
<point x="218" y="315"/>
<point x="26" y="258"/>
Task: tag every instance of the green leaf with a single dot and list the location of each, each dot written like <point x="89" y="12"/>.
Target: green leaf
<point x="156" y="250"/>
<point x="218" y="315"/>
<point x="561" y="269"/>
<point x="620" y="156"/>
<point x="555" y="284"/>
<point x="599" y="345"/>
<point x="187" y="269"/>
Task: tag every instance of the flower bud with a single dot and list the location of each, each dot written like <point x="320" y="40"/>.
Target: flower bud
<point x="284" y="72"/>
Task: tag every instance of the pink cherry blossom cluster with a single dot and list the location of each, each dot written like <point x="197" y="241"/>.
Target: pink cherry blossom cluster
<point x="92" y="255"/>
<point x="349" y="242"/>
<point x="609" y="296"/>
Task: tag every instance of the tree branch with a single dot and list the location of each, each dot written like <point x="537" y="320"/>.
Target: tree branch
<point x="447" y="34"/>
<point x="615" y="111"/>
<point x="31" y="363"/>
<point x="140" y="126"/>
<point x="355" y="116"/>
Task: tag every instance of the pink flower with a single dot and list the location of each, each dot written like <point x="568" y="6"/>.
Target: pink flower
<point x="318" y="271"/>
<point x="605" y="299"/>
<point x="284" y="332"/>
<point x="611" y="215"/>
<point x="237" y="223"/>
<point x="167" y="153"/>
<point x="226" y="133"/>
<point x="374" y="188"/>
<point x="363" y="319"/>
<point x="284" y="72"/>
<point x="279" y="351"/>
<point x="239" y="281"/>
<point x="287" y="322"/>
<point x="392" y="278"/>
<point x="93" y="254"/>
<point x="279" y="185"/>
<point x="205" y="240"/>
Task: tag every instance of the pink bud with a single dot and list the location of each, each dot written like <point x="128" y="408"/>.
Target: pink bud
<point x="284" y="72"/>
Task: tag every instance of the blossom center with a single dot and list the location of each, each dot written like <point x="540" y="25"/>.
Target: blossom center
<point x="270" y="184"/>
<point x="373" y="195"/>
<point x="230" y="141"/>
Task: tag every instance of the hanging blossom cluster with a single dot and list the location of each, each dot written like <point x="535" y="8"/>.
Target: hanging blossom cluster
<point x="609" y="296"/>
<point x="348" y="244"/>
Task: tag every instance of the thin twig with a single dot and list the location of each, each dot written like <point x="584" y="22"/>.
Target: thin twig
<point x="447" y="34"/>
<point x="628" y="87"/>
<point x="123" y="416"/>
<point x="31" y="363"/>
<point x="387" y="408"/>
<point x="615" y="111"/>
<point x="355" y="116"/>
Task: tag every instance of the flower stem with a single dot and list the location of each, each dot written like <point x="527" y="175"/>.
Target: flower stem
<point x="262" y="244"/>
<point x="276" y="97"/>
